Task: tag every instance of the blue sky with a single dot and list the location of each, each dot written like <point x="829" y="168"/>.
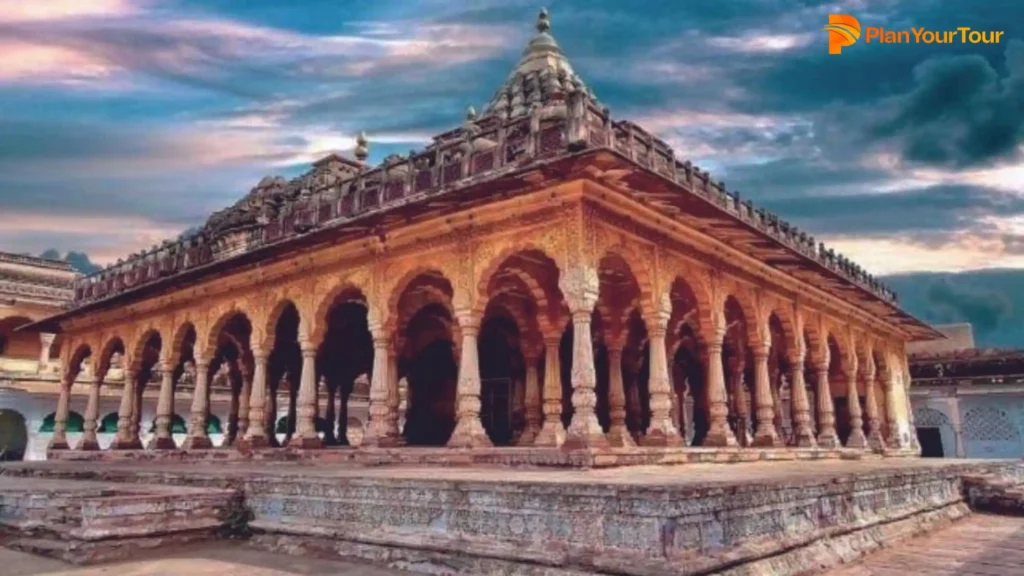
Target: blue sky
<point x="123" y="122"/>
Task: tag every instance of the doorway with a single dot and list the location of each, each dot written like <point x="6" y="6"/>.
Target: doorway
<point x="931" y="442"/>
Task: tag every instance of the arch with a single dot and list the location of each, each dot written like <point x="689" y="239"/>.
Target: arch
<point x="114" y="344"/>
<point x="925" y="417"/>
<point x="399" y="288"/>
<point x="108" y="425"/>
<point x="270" y="327"/>
<point x="82" y="351"/>
<point x="988" y="424"/>
<point x="186" y="331"/>
<point x="344" y="291"/>
<point x="639" y="268"/>
<point x="218" y="325"/>
<point x="543" y="298"/>
<point x="149" y="336"/>
<point x="75" y="422"/>
<point x="13" y="435"/>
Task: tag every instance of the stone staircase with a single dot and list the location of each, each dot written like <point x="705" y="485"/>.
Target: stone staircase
<point x="995" y="494"/>
<point x="88" y="522"/>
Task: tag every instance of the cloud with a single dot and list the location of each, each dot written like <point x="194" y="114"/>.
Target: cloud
<point x="961" y="113"/>
<point x="55" y="10"/>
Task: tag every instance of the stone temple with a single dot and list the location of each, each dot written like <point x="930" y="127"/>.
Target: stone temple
<point x="564" y="328"/>
<point x="543" y="275"/>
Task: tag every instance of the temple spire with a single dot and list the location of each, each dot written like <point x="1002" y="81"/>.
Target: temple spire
<point x="542" y="73"/>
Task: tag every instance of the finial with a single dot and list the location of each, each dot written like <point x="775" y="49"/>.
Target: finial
<point x="362" y="147"/>
<point x="470" y="113"/>
<point x="543" y="21"/>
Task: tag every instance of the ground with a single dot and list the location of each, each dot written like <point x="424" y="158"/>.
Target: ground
<point x="221" y="559"/>
<point x="980" y="545"/>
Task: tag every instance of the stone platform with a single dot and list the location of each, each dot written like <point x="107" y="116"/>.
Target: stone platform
<point x="747" y="518"/>
<point x="90" y="521"/>
<point x="499" y="456"/>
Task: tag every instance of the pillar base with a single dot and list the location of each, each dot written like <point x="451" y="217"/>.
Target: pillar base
<point x="58" y="444"/>
<point x="197" y="443"/>
<point x="619" y="437"/>
<point x="130" y="444"/>
<point x="769" y="439"/>
<point x="88" y="445"/>
<point x="552" y="433"/>
<point x="804" y="439"/>
<point x="529" y="434"/>
<point x="584" y="432"/>
<point x="828" y="439"/>
<point x="719" y="440"/>
<point x="661" y="438"/>
<point x="252" y="443"/>
<point x="306" y="442"/>
<point x="469" y="433"/>
<point x="162" y="444"/>
<point x="857" y="439"/>
<point x="875" y="441"/>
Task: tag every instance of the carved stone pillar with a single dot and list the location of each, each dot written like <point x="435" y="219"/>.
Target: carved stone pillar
<point x="256" y="433"/>
<point x="469" y="432"/>
<point x="532" y="400"/>
<point x="305" y="436"/>
<point x="765" y="433"/>
<point x="198" y="437"/>
<point x="59" y="441"/>
<point x="803" y="433"/>
<point x="45" y="342"/>
<point x="394" y="399"/>
<point x="518" y="411"/>
<point x="618" y="432"/>
<point x="778" y="420"/>
<point x="661" y="431"/>
<point x="379" y="429"/>
<point x="233" y="408"/>
<point x="741" y="402"/>
<point x="634" y="408"/>
<point x="136" y="425"/>
<point x="827" y="437"/>
<point x="244" y="397"/>
<point x="719" y="433"/>
<point x="874" y="437"/>
<point x="330" y="411"/>
<point x="857" y="439"/>
<point x="125" y="440"/>
<point x="89" y="440"/>
<point x="915" y="444"/>
<point x="584" y="430"/>
<point x="552" y="433"/>
<point x="164" y="409"/>
<point x="403" y="408"/>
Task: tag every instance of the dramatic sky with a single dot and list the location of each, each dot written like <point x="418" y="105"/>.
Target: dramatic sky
<point x="123" y="122"/>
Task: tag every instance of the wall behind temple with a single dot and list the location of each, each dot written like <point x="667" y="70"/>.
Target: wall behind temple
<point x="991" y="425"/>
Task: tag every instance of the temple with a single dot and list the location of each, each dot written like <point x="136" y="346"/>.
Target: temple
<point x="542" y="276"/>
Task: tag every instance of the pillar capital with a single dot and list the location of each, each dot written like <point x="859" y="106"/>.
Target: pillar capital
<point x="46" y="339"/>
<point x="258" y="352"/>
<point x="468" y="320"/>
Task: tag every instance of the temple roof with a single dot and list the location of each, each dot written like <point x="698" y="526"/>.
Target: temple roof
<point x="541" y="73"/>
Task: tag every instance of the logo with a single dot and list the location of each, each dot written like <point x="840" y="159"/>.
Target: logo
<point x="843" y="30"/>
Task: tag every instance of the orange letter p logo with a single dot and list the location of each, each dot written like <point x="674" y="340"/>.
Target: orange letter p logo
<point x="843" y="30"/>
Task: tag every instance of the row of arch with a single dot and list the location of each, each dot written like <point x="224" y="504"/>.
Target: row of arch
<point x="616" y="363"/>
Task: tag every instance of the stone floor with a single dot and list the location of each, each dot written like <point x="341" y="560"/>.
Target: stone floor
<point x="221" y="559"/>
<point x="651" y="475"/>
<point x="980" y="545"/>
